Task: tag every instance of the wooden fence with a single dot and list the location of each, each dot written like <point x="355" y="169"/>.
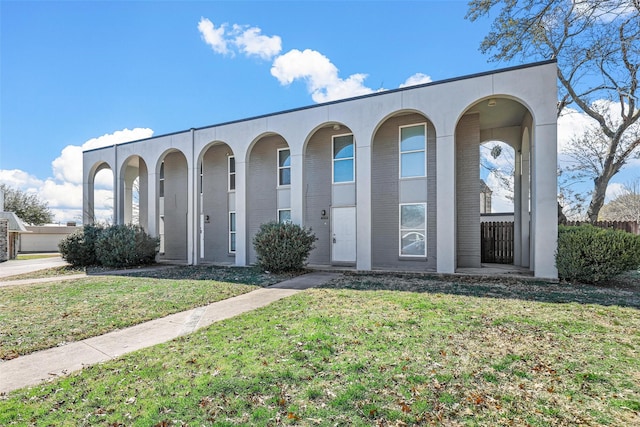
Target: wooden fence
<point x="497" y="242"/>
<point x="628" y="226"/>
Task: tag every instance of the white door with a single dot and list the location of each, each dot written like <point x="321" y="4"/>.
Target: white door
<point x="343" y="227"/>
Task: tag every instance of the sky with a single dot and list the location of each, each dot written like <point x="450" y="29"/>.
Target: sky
<point x="76" y="75"/>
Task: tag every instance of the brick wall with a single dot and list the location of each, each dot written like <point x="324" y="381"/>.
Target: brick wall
<point x="467" y="189"/>
<point x="4" y="239"/>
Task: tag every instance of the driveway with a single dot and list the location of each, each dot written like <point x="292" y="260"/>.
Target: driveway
<point x="13" y="267"/>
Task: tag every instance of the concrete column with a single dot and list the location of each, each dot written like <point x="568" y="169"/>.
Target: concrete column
<point x="544" y="202"/>
<point x="297" y="187"/>
<point x="241" y="208"/>
<point x="363" y="201"/>
<point x="88" y="204"/>
<point x="152" y="201"/>
<point x="446" y="212"/>
<point x="525" y="184"/>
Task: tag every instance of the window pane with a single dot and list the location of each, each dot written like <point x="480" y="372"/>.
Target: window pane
<point x="412" y="244"/>
<point x="412" y="138"/>
<point x="232" y="165"/>
<point x="343" y="147"/>
<point x="343" y="170"/>
<point x="232" y="181"/>
<point x="284" y="159"/>
<point x="284" y="176"/>
<point x="412" y="217"/>
<point x="412" y="164"/>
<point x="232" y="242"/>
<point x="284" y="216"/>
<point x="232" y="222"/>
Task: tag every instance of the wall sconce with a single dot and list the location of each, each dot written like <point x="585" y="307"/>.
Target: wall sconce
<point x="323" y="212"/>
<point x="491" y="103"/>
<point x="336" y="127"/>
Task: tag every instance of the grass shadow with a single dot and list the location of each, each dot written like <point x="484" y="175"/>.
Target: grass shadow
<point x="624" y="291"/>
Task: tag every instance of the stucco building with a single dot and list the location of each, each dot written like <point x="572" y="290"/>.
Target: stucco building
<point x="386" y="181"/>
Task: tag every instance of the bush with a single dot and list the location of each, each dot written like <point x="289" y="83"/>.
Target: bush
<point x="126" y="246"/>
<point x="593" y="255"/>
<point x="78" y="248"/>
<point x="113" y="246"/>
<point x="283" y="246"/>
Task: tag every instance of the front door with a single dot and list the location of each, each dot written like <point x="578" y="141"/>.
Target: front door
<point x="343" y="227"/>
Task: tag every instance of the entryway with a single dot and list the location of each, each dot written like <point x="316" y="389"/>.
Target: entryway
<point x="343" y="234"/>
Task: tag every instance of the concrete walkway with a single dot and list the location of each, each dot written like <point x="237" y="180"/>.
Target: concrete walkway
<point x="47" y="364"/>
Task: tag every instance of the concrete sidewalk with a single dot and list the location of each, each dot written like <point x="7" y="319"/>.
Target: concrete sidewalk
<point x="22" y="266"/>
<point x="47" y="364"/>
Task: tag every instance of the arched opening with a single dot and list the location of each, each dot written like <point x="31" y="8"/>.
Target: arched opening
<point x="101" y="196"/>
<point x="330" y="193"/>
<point x="135" y="192"/>
<point x="216" y="190"/>
<point x="490" y="144"/>
<point x="173" y="206"/>
<point x="403" y="193"/>
<point x="268" y="195"/>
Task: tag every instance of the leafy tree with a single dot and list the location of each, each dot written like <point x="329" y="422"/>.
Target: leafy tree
<point x="28" y="207"/>
<point x="597" y="46"/>
<point x="626" y="206"/>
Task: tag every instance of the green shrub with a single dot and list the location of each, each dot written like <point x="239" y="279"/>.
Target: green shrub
<point x="126" y="246"/>
<point x="283" y="246"/>
<point x="78" y="248"/>
<point x="593" y="255"/>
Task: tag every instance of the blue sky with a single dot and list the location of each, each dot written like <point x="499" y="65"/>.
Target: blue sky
<point x="78" y="74"/>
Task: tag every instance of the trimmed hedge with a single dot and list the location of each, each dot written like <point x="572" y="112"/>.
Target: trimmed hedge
<point x="113" y="246"/>
<point x="283" y="246"/>
<point x="588" y="254"/>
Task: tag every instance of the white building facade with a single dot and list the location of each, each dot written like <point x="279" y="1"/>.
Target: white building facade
<point x="385" y="181"/>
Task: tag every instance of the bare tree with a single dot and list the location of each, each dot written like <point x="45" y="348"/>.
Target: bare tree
<point x="626" y="205"/>
<point x="597" y="46"/>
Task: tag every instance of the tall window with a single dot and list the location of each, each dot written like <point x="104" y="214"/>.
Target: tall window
<point x="161" y="181"/>
<point x="201" y="178"/>
<point x="284" y="216"/>
<point x="232" y="232"/>
<point x="284" y="166"/>
<point x="232" y="173"/>
<point x="343" y="159"/>
<point x="413" y="145"/>
<point x="413" y="229"/>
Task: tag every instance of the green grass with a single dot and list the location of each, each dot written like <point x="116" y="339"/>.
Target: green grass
<point x="37" y="256"/>
<point x="338" y="356"/>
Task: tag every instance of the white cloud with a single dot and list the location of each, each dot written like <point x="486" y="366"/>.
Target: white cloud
<point x="213" y="36"/>
<point x="614" y="189"/>
<point x="416" y="79"/>
<point x="252" y="42"/>
<point x="63" y="191"/>
<point x="247" y="40"/>
<point x="320" y="74"/>
<point x="68" y="166"/>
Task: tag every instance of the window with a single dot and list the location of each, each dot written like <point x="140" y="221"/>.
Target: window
<point x="284" y="167"/>
<point x="161" y="181"/>
<point x="413" y="229"/>
<point x="284" y="215"/>
<point x="232" y="232"/>
<point x="413" y="145"/>
<point x="201" y="178"/>
<point x="232" y="173"/>
<point x="343" y="159"/>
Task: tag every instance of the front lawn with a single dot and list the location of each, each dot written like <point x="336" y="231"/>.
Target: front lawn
<point x="421" y="354"/>
<point x="39" y="316"/>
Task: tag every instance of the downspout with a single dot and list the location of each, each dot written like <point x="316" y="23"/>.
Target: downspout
<point x="116" y="176"/>
<point x="194" y="194"/>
